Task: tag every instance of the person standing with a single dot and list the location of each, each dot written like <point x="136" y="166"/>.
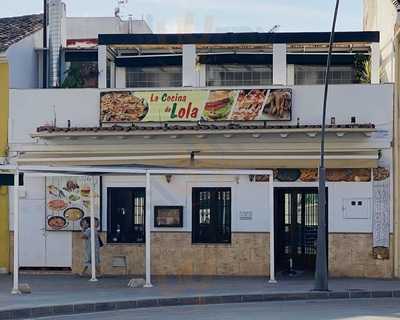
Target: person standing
<point x="86" y="235"/>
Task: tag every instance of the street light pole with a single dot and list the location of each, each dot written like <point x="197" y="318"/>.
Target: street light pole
<point x="321" y="267"/>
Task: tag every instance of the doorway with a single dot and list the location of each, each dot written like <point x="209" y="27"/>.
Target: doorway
<point x="296" y="225"/>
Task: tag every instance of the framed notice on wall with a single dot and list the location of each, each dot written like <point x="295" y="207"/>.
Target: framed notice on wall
<point x="68" y="202"/>
<point x="168" y="216"/>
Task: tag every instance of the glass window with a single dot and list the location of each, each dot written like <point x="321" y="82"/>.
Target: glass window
<point x="126" y="215"/>
<point x="238" y="75"/>
<point x="152" y="77"/>
<point x="211" y="221"/>
<point x="315" y="74"/>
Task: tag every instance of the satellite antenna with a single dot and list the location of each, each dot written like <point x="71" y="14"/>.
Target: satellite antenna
<point x="120" y="3"/>
<point x="275" y="28"/>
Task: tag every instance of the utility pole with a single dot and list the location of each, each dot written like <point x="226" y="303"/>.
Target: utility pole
<point x="44" y="75"/>
<point x="321" y="267"/>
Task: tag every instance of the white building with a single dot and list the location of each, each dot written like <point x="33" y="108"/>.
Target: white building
<point x="244" y="101"/>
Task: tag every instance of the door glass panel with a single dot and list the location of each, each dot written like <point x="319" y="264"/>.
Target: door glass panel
<point x="288" y="208"/>
<point x="299" y="207"/>
<point x="205" y="207"/>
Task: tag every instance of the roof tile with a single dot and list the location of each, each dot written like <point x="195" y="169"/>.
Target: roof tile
<point x="14" y="29"/>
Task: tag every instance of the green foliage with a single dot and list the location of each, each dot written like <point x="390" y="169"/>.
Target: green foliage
<point x="81" y="75"/>
<point x="362" y="64"/>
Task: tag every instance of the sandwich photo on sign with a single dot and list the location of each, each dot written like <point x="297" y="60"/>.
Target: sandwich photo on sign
<point x="219" y="105"/>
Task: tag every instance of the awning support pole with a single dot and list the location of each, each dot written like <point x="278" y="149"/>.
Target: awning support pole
<point x="92" y="233"/>
<point x="147" y="231"/>
<point x="272" y="232"/>
<point x="15" y="289"/>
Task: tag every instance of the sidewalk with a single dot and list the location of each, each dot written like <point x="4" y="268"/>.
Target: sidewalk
<point x="55" y="294"/>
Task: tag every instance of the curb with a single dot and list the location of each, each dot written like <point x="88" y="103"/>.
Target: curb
<point x="70" y="309"/>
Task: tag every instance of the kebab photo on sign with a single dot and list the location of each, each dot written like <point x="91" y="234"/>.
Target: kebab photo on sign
<point x="248" y="105"/>
<point x="278" y="105"/>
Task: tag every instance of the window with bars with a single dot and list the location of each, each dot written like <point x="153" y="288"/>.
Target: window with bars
<point x="152" y="77"/>
<point x="238" y="75"/>
<point x="315" y="74"/>
<point x="211" y="221"/>
<point x="126" y="215"/>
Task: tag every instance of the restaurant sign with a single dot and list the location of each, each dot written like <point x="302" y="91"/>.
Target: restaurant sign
<point x="196" y="105"/>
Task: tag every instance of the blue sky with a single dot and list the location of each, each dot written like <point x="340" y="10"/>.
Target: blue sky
<point x="213" y="15"/>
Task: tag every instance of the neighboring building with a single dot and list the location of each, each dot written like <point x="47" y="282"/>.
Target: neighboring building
<point x="213" y="101"/>
<point x="71" y="42"/>
<point x="17" y="69"/>
<point x="383" y="16"/>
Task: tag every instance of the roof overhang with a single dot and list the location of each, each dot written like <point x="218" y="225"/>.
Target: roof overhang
<point x="197" y="131"/>
<point x="236" y="38"/>
<point x="209" y="160"/>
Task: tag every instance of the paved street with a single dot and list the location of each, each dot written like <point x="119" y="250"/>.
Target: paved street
<point x="308" y="310"/>
<point x="62" y="290"/>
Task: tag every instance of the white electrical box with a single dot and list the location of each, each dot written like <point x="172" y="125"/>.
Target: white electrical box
<point x="357" y="208"/>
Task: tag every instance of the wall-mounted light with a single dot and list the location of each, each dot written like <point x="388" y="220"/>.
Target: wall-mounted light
<point x="168" y="178"/>
<point x="251" y="177"/>
<point x="237" y="179"/>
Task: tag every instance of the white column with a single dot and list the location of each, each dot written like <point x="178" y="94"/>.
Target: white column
<point x="102" y="65"/>
<point x="189" y="74"/>
<point x="92" y="232"/>
<point x="375" y="63"/>
<point x="290" y="75"/>
<point x="15" y="289"/>
<point x="279" y="72"/>
<point x="147" y="231"/>
<point x="112" y="75"/>
<point x="272" y="230"/>
<point x="201" y="75"/>
<point x="120" y="77"/>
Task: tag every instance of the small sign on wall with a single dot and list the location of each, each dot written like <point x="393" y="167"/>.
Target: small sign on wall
<point x="246" y="215"/>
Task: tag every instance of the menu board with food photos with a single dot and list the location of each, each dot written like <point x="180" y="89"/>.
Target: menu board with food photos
<point x="68" y="201"/>
<point x="196" y="105"/>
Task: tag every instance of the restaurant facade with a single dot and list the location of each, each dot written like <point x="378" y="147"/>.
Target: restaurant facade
<point x="229" y="126"/>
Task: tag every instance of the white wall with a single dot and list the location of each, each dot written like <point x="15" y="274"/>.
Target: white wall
<point x="23" y="62"/>
<point x="368" y="103"/>
<point x="78" y="105"/>
<point x="179" y="192"/>
<point x="91" y="27"/>
<point x="380" y="15"/>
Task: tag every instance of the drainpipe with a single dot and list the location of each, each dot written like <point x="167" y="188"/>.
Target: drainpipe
<point x="396" y="161"/>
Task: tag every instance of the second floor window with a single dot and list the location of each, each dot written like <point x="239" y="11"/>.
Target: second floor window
<point x="239" y="75"/>
<point x="315" y="74"/>
<point x="154" y="77"/>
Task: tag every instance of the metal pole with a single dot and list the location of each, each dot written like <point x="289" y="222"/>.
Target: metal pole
<point x="15" y="289"/>
<point x="272" y="232"/>
<point x="92" y="233"/>
<point x="147" y="231"/>
<point x="44" y="44"/>
<point x="321" y="267"/>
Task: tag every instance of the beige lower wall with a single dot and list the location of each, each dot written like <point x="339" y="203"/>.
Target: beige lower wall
<point x="350" y="255"/>
<point x="172" y="253"/>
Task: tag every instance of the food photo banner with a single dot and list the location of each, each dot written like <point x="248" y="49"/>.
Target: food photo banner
<point x="68" y="202"/>
<point x="196" y="105"/>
